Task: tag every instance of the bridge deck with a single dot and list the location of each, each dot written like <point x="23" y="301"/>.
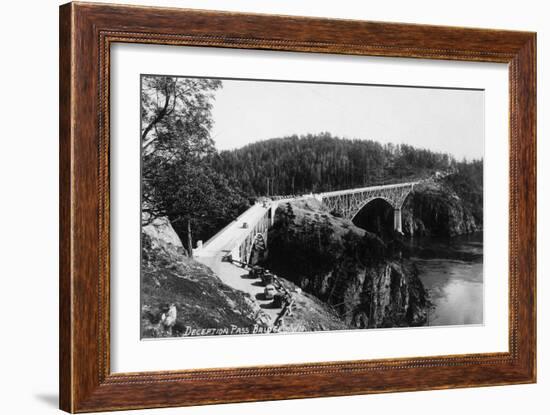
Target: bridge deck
<point x="234" y="233"/>
<point x="365" y="189"/>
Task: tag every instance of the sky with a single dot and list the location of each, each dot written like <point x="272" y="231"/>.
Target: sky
<point x="444" y="120"/>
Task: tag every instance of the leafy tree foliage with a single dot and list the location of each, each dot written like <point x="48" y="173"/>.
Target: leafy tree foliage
<point x="302" y="251"/>
<point x="468" y="184"/>
<point x="178" y="180"/>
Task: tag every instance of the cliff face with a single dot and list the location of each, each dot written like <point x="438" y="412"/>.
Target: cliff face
<point x="385" y="294"/>
<point x="174" y="286"/>
<point x="352" y="270"/>
<point x="435" y="209"/>
<point x="309" y="313"/>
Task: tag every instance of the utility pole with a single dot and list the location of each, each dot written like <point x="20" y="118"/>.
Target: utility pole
<point x="189" y="239"/>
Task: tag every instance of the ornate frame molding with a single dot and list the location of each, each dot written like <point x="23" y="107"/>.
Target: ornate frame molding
<point x="86" y="34"/>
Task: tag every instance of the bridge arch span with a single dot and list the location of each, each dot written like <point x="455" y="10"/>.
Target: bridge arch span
<point x="376" y="215"/>
<point x="390" y="202"/>
<point x="350" y="203"/>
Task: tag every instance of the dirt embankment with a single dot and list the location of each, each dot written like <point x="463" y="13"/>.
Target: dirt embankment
<point x="202" y="302"/>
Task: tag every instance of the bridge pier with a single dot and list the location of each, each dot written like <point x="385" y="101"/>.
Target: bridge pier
<point x="271" y="213"/>
<point x="397" y="223"/>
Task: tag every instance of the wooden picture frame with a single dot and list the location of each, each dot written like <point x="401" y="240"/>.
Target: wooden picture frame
<point x="86" y="33"/>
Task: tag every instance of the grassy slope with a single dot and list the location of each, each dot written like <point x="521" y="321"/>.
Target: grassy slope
<point x="201" y="299"/>
<point x="311" y="209"/>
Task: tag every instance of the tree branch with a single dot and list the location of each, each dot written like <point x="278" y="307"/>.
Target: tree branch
<point x="159" y="117"/>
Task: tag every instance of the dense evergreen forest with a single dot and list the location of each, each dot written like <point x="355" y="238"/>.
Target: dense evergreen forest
<point x="467" y="182"/>
<point x="322" y="162"/>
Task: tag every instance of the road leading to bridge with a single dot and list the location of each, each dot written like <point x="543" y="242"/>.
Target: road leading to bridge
<point x="212" y="253"/>
<point x="232" y="234"/>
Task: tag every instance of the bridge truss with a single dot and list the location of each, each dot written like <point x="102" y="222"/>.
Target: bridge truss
<point x="349" y="202"/>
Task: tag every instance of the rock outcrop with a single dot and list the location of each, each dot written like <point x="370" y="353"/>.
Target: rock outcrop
<point x="385" y="295"/>
<point x="353" y="271"/>
<point x="435" y="209"/>
<point x="309" y="313"/>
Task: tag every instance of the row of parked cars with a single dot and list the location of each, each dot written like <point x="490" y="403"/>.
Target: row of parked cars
<point x="273" y="290"/>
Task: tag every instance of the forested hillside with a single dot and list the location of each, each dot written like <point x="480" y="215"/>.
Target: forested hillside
<point x="467" y="182"/>
<point x="317" y="163"/>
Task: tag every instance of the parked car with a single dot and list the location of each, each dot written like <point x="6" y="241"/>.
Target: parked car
<point x="267" y="278"/>
<point x="245" y="225"/>
<point x="270" y="291"/>
<point x="256" y="272"/>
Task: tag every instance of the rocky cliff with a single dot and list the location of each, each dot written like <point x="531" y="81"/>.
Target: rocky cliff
<point x="353" y="271"/>
<point x="309" y="313"/>
<point x="436" y="209"/>
<point x="175" y="287"/>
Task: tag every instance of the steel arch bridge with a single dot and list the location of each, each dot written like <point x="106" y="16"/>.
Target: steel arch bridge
<point x="349" y="203"/>
<point x="249" y="232"/>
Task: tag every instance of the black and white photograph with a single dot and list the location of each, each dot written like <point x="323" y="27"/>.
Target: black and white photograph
<point x="276" y="206"/>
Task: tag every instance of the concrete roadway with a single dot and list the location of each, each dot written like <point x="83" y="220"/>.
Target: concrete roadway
<point x="232" y="275"/>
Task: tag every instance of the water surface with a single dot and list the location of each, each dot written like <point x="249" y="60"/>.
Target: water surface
<point x="451" y="269"/>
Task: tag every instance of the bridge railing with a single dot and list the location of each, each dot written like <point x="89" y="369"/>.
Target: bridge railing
<point x="344" y="191"/>
<point x="245" y="244"/>
<point x="225" y="228"/>
<point x="369" y="188"/>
